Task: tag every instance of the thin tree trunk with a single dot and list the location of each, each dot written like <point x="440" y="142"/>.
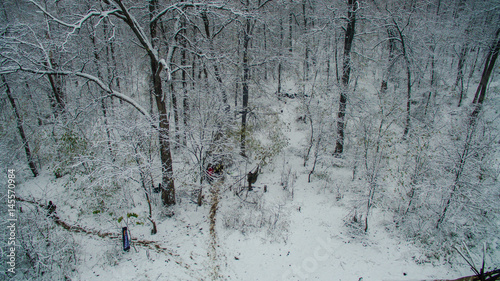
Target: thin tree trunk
<point x="408" y="79"/>
<point x="290" y="41"/>
<point x="279" y="78"/>
<point x="238" y="71"/>
<point x="246" y="77"/>
<point x="57" y="98"/>
<point x="459" y="83"/>
<point x="306" y="51"/>
<point x="369" y="203"/>
<point x="328" y="66"/>
<point x="103" y="103"/>
<point x="216" y="66"/>
<point x="20" y="128"/>
<point x="408" y="100"/>
<point x="146" y="191"/>
<point x="337" y="77"/>
<point x="265" y="50"/>
<point x="433" y="77"/>
<point x="111" y="58"/>
<point x="184" y="78"/>
<point x="458" y="172"/>
<point x="175" y="107"/>
<point x="390" y="61"/>
<point x="280" y="57"/>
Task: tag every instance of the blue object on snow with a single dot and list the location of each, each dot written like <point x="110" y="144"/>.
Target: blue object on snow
<point x="126" y="240"/>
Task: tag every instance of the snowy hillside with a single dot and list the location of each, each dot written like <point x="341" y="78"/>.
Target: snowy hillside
<point x="274" y="237"/>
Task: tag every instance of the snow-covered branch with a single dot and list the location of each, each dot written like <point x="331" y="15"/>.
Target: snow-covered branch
<point x="114" y="93"/>
<point x="92" y="78"/>
<point x="139" y="33"/>
<point x="78" y="24"/>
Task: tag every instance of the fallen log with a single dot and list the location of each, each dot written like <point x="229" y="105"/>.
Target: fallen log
<point x="79" y="229"/>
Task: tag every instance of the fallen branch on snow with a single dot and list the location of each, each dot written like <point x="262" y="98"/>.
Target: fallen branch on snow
<point x="79" y="229"/>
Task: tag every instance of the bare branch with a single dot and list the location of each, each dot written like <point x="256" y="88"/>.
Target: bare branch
<point x="92" y="78"/>
<point x="77" y="25"/>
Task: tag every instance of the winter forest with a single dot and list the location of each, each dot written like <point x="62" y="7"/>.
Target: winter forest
<point x="250" y="139"/>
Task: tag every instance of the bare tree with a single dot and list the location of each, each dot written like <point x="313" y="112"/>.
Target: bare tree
<point x="20" y="128"/>
<point x="353" y="6"/>
<point x="485" y="77"/>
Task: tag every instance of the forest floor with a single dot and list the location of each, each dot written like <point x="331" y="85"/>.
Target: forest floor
<point x="293" y="234"/>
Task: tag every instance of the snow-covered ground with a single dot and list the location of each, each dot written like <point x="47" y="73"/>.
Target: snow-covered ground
<point x="283" y="237"/>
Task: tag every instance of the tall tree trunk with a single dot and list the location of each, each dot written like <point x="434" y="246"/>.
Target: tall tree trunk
<point x="391" y="60"/>
<point x="103" y="103"/>
<point x="459" y="83"/>
<point x="408" y="78"/>
<point x="306" y="51"/>
<point x="238" y="71"/>
<point x="280" y="56"/>
<point x="328" y="62"/>
<point x="483" y="84"/>
<point x="115" y="66"/>
<point x="110" y="55"/>
<point x="290" y="41"/>
<point x="218" y="77"/>
<point x="57" y="97"/>
<point x="175" y="107"/>
<point x="19" y="120"/>
<point x="346" y="72"/>
<point x="168" y="187"/>
<point x="433" y="81"/>
<point x="265" y="50"/>
<point x="246" y="77"/>
<point x="408" y="99"/>
<point x="184" y="62"/>
<point x="336" y="54"/>
<point x="464" y="155"/>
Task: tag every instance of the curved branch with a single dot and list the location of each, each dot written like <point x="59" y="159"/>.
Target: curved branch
<point x="99" y="82"/>
<point x="114" y="93"/>
<point x="139" y="33"/>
